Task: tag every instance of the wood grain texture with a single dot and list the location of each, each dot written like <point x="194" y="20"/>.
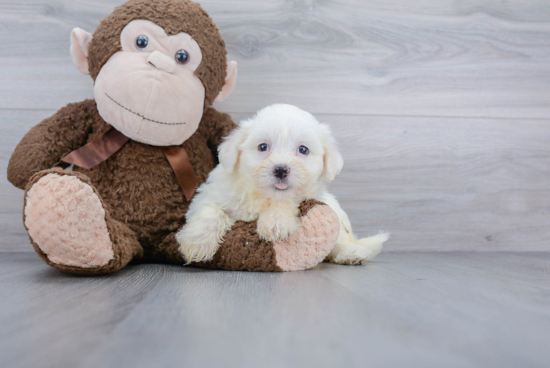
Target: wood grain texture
<point x="434" y="183"/>
<point x="484" y="58"/>
<point x="403" y="309"/>
<point x="436" y="180"/>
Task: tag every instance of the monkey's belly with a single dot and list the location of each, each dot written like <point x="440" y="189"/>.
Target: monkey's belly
<point x="140" y="188"/>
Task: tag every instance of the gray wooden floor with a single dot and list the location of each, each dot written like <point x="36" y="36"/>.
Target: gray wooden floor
<point x="402" y="310"/>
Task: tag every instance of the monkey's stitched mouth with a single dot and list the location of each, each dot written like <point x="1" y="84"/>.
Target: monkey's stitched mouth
<point x="141" y="116"/>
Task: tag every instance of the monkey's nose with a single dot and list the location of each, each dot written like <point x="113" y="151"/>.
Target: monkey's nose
<point x="162" y="62"/>
<point x="281" y="172"/>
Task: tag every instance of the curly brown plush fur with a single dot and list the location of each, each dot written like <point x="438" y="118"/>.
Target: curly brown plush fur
<point x="136" y="184"/>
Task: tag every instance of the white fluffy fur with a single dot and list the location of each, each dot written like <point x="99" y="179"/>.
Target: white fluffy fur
<point x="242" y="187"/>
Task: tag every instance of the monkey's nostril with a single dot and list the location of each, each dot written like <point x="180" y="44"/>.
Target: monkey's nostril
<point x="281" y="172"/>
<point x="162" y="62"/>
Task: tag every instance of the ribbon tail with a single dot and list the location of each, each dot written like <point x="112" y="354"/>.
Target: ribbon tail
<point x="179" y="160"/>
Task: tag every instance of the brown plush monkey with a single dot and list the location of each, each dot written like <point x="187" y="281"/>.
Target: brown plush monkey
<point x="141" y="148"/>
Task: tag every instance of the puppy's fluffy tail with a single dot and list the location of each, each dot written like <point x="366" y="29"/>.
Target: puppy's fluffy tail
<point x="374" y="243"/>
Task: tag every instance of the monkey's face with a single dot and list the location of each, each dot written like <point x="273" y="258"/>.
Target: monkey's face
<point x="148" y="91"/>
<point x="156" y="65"/>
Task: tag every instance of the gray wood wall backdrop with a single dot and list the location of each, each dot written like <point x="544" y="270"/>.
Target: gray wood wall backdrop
<point x="441" y="107"/>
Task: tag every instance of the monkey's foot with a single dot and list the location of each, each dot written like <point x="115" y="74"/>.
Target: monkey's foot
<point x="69" y="226"/>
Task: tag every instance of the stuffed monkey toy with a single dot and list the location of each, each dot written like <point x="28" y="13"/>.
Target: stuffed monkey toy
<point x="139" y="150"/>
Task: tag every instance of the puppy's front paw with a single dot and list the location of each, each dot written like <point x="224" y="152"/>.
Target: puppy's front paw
<point x="197" y="248"/>
<point x="203" y="234"/>
<point x="198" y="252"/>
<point x="274" y="228"/>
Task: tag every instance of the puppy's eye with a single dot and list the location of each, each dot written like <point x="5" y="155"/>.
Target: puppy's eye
<point x="303" y="150"/>
<point x="142" y="42"/>
<point x="263" y="147"/>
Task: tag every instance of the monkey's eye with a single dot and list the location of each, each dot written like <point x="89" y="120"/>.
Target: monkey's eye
<point x="142" y="42"/>
<point x="182" y="57"/>
<point x="263" y="147"/>
<point x="303" y="150"/>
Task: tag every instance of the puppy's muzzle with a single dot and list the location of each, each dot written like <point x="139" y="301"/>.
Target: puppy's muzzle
<point x="281" y="171"/>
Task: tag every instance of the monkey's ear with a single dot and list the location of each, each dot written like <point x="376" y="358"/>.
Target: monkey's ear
<point x="230" y="81"/>
<point x="80" y="41"/>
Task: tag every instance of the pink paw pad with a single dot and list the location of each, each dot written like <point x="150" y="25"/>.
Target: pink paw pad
<point x="311" y="243"/>
<point x="65" y="218"/>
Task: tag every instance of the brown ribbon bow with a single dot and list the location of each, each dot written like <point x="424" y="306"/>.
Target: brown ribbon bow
<point x="104" y="146"/>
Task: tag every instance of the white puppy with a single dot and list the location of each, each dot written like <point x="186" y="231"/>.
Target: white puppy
<point x="268" y="165"/>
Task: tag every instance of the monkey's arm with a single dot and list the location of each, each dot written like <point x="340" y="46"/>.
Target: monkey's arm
<point x="46" y="143"/>
<point x="243" y="250"/>
<point x="215" y="126"/>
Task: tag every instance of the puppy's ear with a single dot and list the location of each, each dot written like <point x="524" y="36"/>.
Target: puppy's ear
<point x="332" y="158"/>
<point x="229" y="151"/>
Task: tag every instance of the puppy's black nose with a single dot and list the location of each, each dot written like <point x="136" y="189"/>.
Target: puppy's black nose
<point x="281" y="172"/>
